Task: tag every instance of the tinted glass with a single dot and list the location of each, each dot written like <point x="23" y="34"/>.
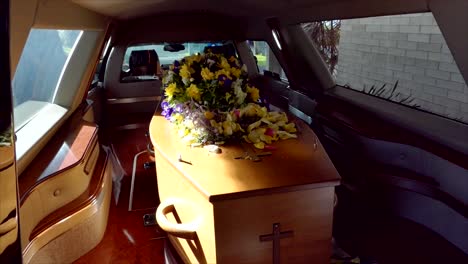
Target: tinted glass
<point x="146" y="70"/>
<point x="266" y="60"/>
<point x="402" y="58"/>
<point x="166" y="57"/>
<point x="41" y="64"/>
<point x="39" y="69"/>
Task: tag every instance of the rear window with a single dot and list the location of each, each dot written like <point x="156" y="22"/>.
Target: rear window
<point x="136" y="72"/>
<point x="401" y="58"/>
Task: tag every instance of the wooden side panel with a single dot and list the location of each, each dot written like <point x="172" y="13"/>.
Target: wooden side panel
<point x="54" y="193"/>
<point x="173" y="184"/>
<point x="8" y="191"/>
<point x="67" y="240"/>
<point x="8" y="224"/>
<point x="309" y="214"/>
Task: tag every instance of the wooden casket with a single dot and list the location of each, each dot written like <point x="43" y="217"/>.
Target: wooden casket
<point x="218" y="209"/>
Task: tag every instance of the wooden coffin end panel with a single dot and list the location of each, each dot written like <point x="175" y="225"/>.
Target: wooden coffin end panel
<point x="308" y="214"/>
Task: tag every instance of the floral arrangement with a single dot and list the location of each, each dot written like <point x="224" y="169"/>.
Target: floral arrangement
<point x="210" y="100"/>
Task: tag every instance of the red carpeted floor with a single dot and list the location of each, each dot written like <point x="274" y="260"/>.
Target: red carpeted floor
<point x="126" y="240"/>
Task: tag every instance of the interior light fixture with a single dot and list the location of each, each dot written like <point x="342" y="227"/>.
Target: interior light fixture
<point x="104" y="52"/>
<point x="276" y="37"/>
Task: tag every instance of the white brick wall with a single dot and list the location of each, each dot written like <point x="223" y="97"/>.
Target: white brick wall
<point x="409" y="49"/>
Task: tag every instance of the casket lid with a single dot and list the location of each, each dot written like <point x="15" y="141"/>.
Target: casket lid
<point x="294" y="165"/>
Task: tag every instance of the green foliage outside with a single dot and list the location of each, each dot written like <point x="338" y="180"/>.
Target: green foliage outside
<point x="261" y="60"/>
<point x="67" y="50"/>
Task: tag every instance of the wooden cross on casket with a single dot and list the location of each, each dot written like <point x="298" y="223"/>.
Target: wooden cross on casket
<point x="275" y="237"/>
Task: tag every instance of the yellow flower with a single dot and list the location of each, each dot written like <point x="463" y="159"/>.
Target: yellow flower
<point x="185" y="72"/>
<point x="171" y="90"/>
<point x="239" y="128"/>
<point x="233" y="59"/>
<point x="275" y="116"/>
<point x="209" y="115"/>
<point x="254" y="93"/>
<point x="194" y="58"/>
<point x="223" y="71"/>
<point x="254" y="135"/>
<point x="177" y="118"/>
<point x="216" y="125"/>
<point x="228" y="127"/>
<point x="267" y="139"/>
<point x="194" y="92"/>
<point x="189" y="124"/>
<point x="183" y="132"/>
<point x="261" y="111"/>
<point x="285" y="135"/>
<point x="224" y="64"/>
<point x="249" y="110"/>
<point x="291" y="128"/>
<point x="236" y="72"/>
<point x="206" y="74"/>
<point x="259" y="145"/>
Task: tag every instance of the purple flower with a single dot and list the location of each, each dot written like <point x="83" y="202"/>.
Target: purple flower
<point x="222" y="78"/>
<point x="164" y="105"/>
<point x="265" y="103"/>
<point x="176" y="63"/>
<point x="179" y="108"/>
<point x="167" y="112"/>
<point x="224" y="81"/>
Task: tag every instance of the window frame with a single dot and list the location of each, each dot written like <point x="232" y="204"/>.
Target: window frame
<point x="419" y="108"/>
<point x="125" y="49"/>
<point x="34" y="111"/>
<point x="447" y="132"/>
<point x="40" y="127"/>
<point x="277" y="76"/>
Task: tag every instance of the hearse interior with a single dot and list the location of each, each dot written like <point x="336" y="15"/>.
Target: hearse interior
<point x="374" y="170"/>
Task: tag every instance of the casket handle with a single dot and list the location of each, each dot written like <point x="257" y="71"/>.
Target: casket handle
<point x="182" y="230"/>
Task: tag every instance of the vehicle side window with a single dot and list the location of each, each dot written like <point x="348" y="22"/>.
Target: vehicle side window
<point x="39" y="70"/>
<point x="46" y="81"/>
<point x="401" y="58"/>
<point x="266" y="60"/>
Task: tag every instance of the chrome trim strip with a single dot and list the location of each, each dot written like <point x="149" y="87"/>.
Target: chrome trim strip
<point x="131" y="100"/>
<point x="298" y="113"/>
<point x="131" y="126"/>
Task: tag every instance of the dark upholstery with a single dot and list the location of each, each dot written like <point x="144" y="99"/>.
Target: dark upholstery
<point x="143" y="58"/>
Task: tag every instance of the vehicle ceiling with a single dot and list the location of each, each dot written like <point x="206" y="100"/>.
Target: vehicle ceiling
<point x="287" y="10"/>
<point x="179" y="20"/>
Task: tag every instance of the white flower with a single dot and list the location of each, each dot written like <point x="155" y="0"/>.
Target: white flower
<point x="186" y="81"/>
<point x="168" y="78"/>
<point x="240" y="95"/>
<point x="211" y="62"/>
